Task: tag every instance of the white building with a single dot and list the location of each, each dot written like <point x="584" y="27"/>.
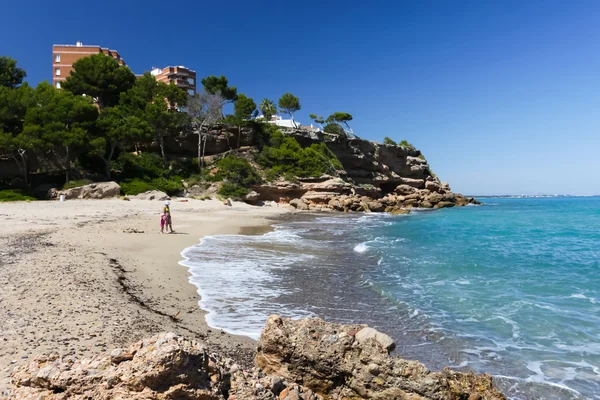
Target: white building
<point x="279" y="121"/>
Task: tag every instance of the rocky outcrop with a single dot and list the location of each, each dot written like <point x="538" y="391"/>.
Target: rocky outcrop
<point x="295" y="360"/>
<point x="375" y="178"/>
<point x="151" y="195"/>
<point x="101" y="190"/>
<point x="353" y="362"/>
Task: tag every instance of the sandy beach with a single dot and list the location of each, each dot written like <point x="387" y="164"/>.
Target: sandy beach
<point x="82" y="276"/>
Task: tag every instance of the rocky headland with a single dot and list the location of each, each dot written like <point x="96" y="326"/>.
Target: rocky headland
<point x="374" y="177"/>
<point x="295" y="360"/>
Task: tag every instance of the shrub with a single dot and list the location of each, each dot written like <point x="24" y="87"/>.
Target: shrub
<point x="185" y="166"/>
<point x="232" y="190"/>
<point x="135" y="186"/>
<point x="388" y="141"/>
<point x="334" y="128"/>
<point x="14" y="195"/>
<point x="285" y="155"/>
<point x="422" y="157"/>
<point x="171" y="186"/>
<point x="73" y="184"/>
<point x="145" y="166"/>
<point x="405" y="143"/>
<point x="288" y="176"/>
<point x="237" y="170"/>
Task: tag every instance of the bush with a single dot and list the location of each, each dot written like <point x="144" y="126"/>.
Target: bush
<point x="184" y="166"/>
<point x="135" y="186"/>
<point x="334" y="128"/>
<point x="237" y="170"/>
<point x="232" y="190"/>
<point x="78" y="183"/>
<point x="405" y="143"/>
<point x="145" y="166"/>
<point x="388" y="141"/>
<point x="14" y="195"/>
<point x="285" y="155"/>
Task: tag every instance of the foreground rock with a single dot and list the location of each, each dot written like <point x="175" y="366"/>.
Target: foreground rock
<point x="296" y="360"/>
<point x="101" y="190"/>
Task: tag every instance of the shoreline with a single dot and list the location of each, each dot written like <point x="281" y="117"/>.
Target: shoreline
<point x="89" y="275"/>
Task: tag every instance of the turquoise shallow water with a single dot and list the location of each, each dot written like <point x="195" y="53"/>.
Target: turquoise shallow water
<point x="511" y="288"/>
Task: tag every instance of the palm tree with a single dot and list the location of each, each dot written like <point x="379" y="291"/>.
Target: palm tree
<point x="268" y="108"/>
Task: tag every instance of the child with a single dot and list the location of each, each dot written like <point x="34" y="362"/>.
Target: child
<point x="163" y="220"/>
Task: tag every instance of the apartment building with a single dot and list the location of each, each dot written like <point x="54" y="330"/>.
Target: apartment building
<point x="181" y="76"/>
<point x="65" y="55"/>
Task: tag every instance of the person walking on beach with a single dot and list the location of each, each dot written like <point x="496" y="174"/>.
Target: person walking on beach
<point x="167" y="216"/>
<point x="163" y="221"/>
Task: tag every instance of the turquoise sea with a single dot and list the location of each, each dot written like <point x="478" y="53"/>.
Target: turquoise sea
<point x="511" y="288"/>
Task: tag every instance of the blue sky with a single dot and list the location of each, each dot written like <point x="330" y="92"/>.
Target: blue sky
<point x="502" y="97"/>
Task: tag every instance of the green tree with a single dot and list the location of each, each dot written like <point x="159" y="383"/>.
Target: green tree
<point x="59" y="119"/>
<point x="334" y="128"/>
<point x="244" y="107"/>
<point x="318" y="120"/>
<point x="118" y="127"/>
<point x="341" y="118"/>
<point x="389" y="141"/>
<point x="268" y="108"/>
<point x="289" y="104"/>
<point x="10" y="75"/>
<point x="220" y="86"/>
<point x="156" y="103"/>
<point x="100" y="77"/>
<point x="13" y="107"/>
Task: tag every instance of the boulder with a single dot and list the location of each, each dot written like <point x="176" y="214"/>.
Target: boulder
<point x="414" y="196"/>
<point x="444" y="204"/>
<point x="353" y="362"/>
<point x="299" y="204"/>
<point x="366" y="334"/>
<point x="376" y="206"/>
<point x="409" y="203"/>
<point x="252" y="197"/>
<point x="395" y="210"/>
<point x="151" y="195"/>
<point x="433" y="186"/>
<point x="101" y="190"/>
<point x="425" y="204"/>
<point x="416" y="183"/>
<point x="306" y="359"/>
<point x="165" y="366"/>
<point x="321" y="197"/>
<point x="434" y="198"/>
<point x="405" y="189"/>
<point x="336" y="204"/>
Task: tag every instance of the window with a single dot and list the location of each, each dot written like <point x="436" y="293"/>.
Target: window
<point x="191" y="81"/>
<point x="57" y="58"/>
<point x="57" y="71"/>
<point x="58" y="85"/>
<point x="191" y="92"/>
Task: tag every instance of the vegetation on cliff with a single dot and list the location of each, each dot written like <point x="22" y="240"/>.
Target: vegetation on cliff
<point x="104" y="121"/>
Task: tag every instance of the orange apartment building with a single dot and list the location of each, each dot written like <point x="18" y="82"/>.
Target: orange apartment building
<point x="64" y="55"/>
<point x="181" y="76"/>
